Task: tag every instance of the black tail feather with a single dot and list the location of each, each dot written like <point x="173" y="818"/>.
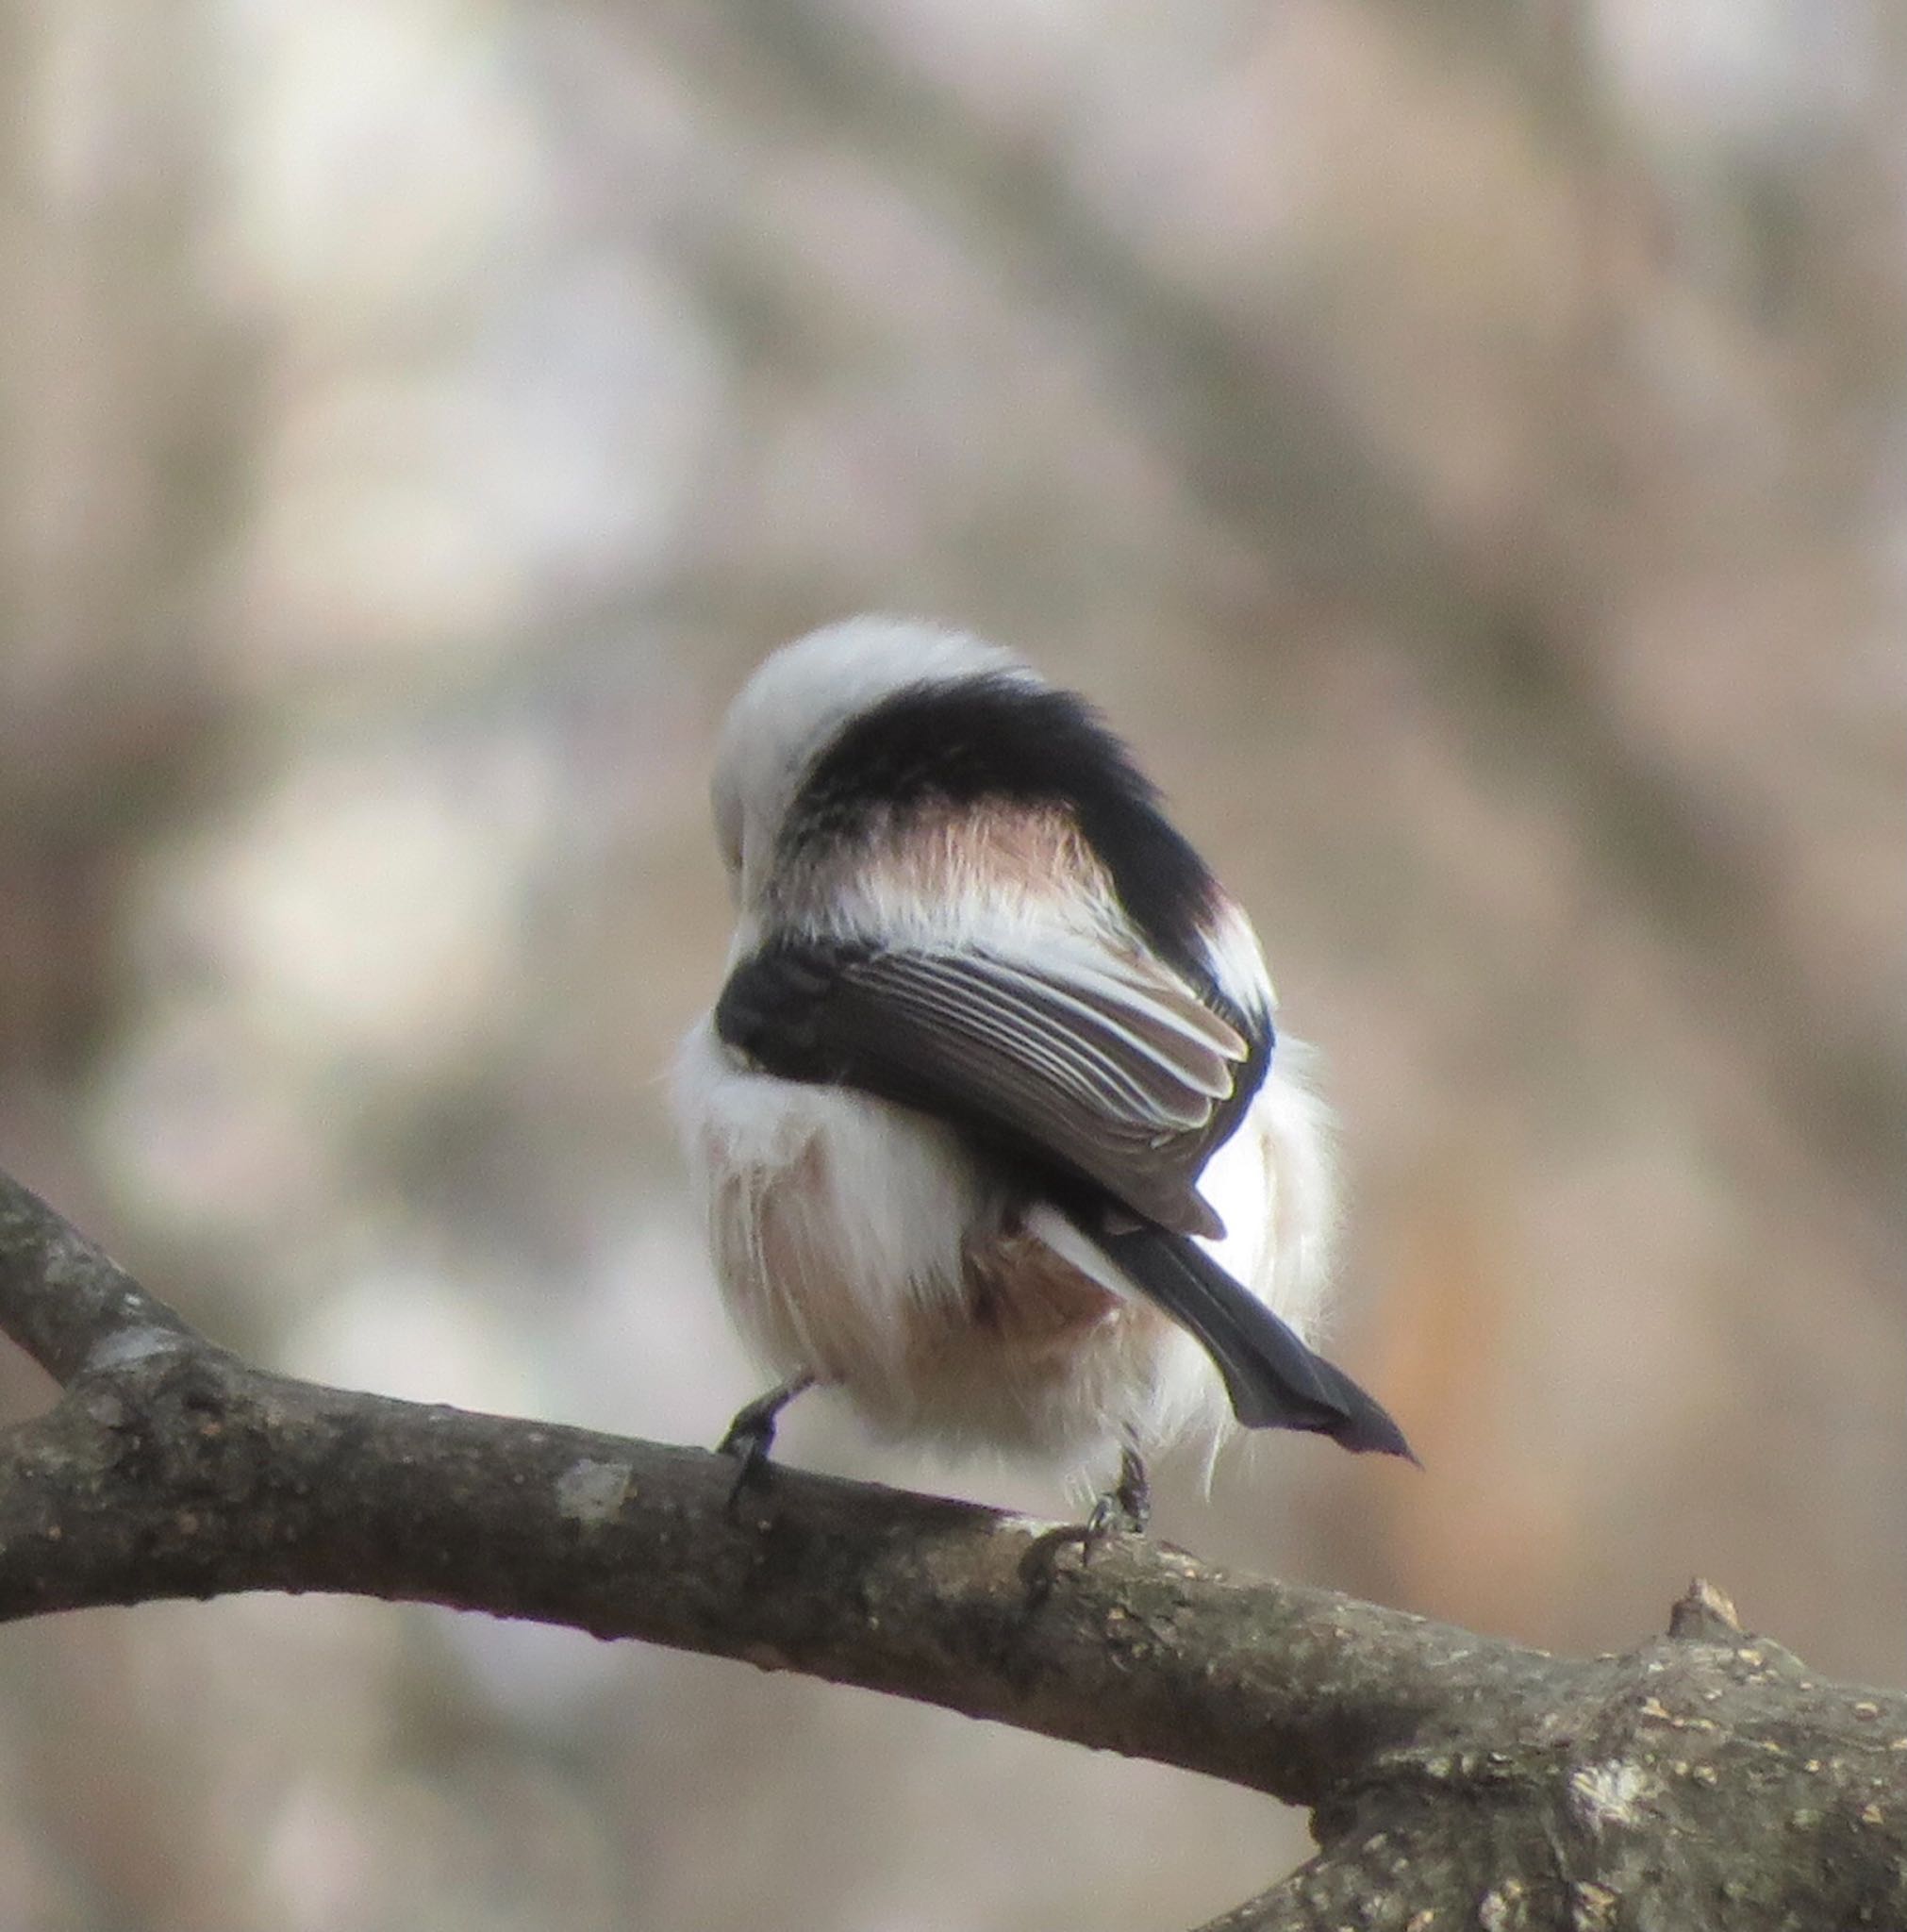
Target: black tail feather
<point x="1274" y="1381"/>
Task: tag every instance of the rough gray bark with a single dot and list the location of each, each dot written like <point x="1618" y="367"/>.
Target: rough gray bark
<point x="1704" y="1779"/>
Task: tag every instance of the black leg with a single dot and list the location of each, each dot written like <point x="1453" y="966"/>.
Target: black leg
<point x="1128" y="1505"/>
<point x="750" y="1435"/>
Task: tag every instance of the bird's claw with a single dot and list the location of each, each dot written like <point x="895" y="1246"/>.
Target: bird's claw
<point x="751" y="1436"/>
<point x="1123" y="1509"/>
<point x="1126" y="1507"/>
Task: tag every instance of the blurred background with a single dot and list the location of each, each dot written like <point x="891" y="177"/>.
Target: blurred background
<point x="1462" y="444"/>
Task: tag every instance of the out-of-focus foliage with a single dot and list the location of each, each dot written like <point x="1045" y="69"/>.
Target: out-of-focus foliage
<point x="1462" y="444"/>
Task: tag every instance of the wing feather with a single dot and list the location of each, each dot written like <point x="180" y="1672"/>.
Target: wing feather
<point x="1100" y="1065"/>
<point x="1097" y="1045"/>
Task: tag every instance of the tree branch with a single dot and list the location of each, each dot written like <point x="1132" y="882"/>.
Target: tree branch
<point x="1440" y="1768"/>
<point x="65" y="1302"/>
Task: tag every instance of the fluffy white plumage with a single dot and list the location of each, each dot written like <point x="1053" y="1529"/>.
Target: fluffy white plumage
<point x="866" y="1241"/>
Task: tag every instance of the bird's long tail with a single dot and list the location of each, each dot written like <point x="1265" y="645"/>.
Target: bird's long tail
<point x="1274" y="1380"/>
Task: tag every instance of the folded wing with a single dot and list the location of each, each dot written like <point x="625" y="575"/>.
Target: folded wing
<point x="1105" y="1067"/>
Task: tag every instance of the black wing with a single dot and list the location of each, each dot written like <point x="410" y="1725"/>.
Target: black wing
<point x="1105" y="1067"/>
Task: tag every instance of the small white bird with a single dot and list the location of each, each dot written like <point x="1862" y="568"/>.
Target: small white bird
<point x="988" y="1122"/>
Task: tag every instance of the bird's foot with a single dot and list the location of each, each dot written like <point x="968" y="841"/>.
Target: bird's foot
<point x="1126" y="1507"/>
<point x="1123" y="1509"/>
<point x="751" y="1436"/>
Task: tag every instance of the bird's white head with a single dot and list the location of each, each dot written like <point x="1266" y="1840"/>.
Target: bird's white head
<point x="797" y="702"/>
